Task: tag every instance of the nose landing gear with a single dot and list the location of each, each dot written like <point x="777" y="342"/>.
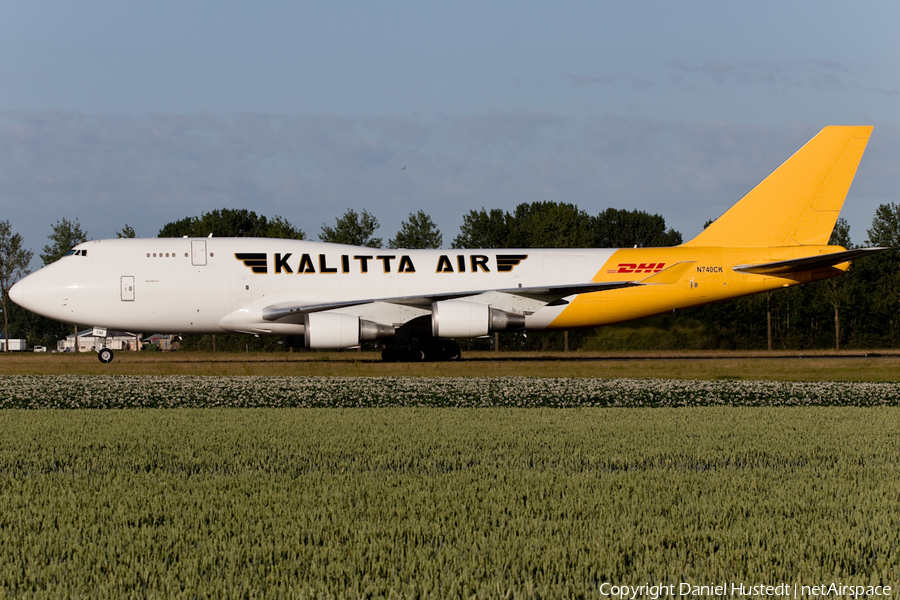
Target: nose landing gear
<point x="105" y="355"/>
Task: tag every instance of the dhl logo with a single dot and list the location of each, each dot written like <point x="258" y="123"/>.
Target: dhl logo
<point x="637" y="268"/>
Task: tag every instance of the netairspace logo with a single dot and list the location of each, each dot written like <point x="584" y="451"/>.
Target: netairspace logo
<point x="738" y="590"/>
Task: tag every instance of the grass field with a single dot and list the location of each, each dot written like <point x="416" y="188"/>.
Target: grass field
<point x="443" y="503"/>
<point x="808" y="366"/>
<point x="489" y="502"/>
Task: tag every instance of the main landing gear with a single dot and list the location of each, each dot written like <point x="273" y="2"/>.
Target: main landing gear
<point x="434" y="350"/>
<point x="105" y="355"/>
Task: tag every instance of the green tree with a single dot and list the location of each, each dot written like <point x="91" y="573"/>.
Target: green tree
<point x="550" y="225"/>
<point x="14" y="261"/>
<point x="620" y="228"/>
<point x="879" y="276"/>
<point x="836" y="291"/>
<point x="483" y="229"/>
<point x="885" y="231"/>
<point x="127" y="232"/>
<point x="417" y="233"/>
<point x="353" y="229"/>
<point x="840" y="235"/>
<point x="228" y="222"/>
<point x="279" y="227"/>
<point x="537" y="225"/>
<point x="65" y="236"/>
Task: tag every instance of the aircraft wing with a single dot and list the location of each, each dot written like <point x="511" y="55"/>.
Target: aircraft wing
<point x="795" y="265"/>
<point x="289" y="312"/>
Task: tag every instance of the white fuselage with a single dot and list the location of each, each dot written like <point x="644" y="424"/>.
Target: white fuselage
<point x="218" y="285"/>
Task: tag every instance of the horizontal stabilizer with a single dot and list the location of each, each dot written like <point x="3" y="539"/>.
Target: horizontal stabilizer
<point x="821" y="261"/>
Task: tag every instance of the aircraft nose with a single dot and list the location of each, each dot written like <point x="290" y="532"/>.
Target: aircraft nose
<point x="17" y="293"/>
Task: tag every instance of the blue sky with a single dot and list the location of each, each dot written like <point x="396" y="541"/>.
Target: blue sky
<point x="147" y="112"/>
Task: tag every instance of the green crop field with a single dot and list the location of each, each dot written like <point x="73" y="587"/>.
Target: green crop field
<point x="409" y="487"/>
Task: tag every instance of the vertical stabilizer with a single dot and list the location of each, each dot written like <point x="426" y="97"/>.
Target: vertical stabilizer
<point x="799" y="202"/>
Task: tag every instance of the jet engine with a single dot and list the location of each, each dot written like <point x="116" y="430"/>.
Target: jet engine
<point x="338" y="330"/>
<point x="454" y="318"/>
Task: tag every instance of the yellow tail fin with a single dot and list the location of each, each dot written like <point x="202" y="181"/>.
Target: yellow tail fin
<point x="798" y="204"/>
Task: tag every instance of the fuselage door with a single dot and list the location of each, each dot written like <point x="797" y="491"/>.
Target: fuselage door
<point x="243" y="295"/>
<point x="127" y="289"/>
<point x="198" y="253"/>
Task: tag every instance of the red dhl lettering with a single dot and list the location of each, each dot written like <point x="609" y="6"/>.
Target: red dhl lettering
<point x="637" y="268"/>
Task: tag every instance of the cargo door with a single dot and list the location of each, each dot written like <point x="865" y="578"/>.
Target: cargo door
<point x="198" y="253"/>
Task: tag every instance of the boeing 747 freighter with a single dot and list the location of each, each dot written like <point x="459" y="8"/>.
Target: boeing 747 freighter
<point x="417" y="301"/>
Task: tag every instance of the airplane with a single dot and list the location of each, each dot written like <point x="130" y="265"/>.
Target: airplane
<point x="336" y="296"/>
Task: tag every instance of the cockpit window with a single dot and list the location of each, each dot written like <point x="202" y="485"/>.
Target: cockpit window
<point x="74" y="252"/>
<point x="70" y="252"/>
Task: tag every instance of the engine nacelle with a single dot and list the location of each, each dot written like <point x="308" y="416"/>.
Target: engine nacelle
<point x="338" y="330"/>
<point x="455" y="318"/>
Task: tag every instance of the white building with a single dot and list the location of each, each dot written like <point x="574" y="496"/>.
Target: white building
<point x="15" y="345"/>
<point x="88" y="342"/>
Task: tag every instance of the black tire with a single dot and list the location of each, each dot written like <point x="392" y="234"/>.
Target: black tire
<point x="451" y="350"/>
<point x="442" y="350"/>
<point x="406" y="354"/>
<point x="105" y="355"/>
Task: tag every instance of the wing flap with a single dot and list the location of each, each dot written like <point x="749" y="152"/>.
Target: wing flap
<point x="292" y="312"/>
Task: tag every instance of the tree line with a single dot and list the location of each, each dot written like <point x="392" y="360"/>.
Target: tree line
<point x="856" y="310"/>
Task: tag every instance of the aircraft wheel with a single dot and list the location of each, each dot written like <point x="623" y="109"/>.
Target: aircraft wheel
<point x="442" y="350"/>
<point x="451" y="350"/>
<point x="404" y="354"/>
<point x="105" y="355"/>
